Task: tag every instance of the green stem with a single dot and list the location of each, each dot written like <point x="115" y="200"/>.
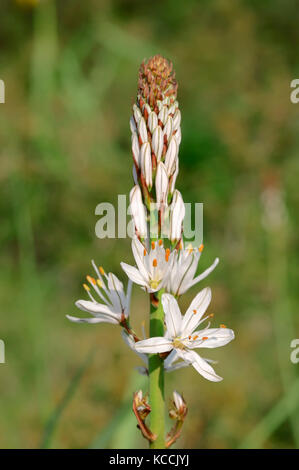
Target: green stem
<point x="156" y="379"/>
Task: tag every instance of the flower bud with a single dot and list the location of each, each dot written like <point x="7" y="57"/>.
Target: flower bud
<point x="146" y="164"/>
<point x="138" y="212"/>
<point x="161" y="184"/>
<point x="157" y="142"/>
<point x="177" y="214"/>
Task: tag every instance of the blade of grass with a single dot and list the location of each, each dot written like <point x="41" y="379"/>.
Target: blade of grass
<point x="69" y="393"/>
<point x="116" y="435"/>
<point x="276" y="416"/>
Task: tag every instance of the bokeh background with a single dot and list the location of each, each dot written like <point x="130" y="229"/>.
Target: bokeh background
<point x="70" y="70"/>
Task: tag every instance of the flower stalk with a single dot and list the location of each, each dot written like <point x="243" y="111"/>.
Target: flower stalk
<point x="156" y="377"/>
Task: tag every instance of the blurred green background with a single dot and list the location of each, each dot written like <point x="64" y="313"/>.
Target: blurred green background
<point x="70" y="70"/>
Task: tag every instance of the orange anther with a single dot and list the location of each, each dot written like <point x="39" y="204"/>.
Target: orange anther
<point x="155" y="263"/>
<point x="167" y="254"/>
<point x="195" y="337"/>
<point x="194" y="311"/>
<point x="211" y="315"/>
<point x="153" y="245"/>
<point x="222" y="326"/>
<point x="160" y="242"/>
<point x="204" y="338"/>
<point x="101" y="270"/>
<point x="200" y="248"/>
<point x="144" y="252"/>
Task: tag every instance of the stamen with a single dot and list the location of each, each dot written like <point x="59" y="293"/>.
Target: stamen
<point x="204" y="338"/>
<point x="144" y="252"/>
<point x="160" y="242"/>
<point x="167" y="253"/>
<point x="100" y="283"/>
<point x="222" y="326"/>
<point x="189" y="337"/>
<point x="91" y="280"/>
<point x="200" y="248"/>
<point x="101" y="270"/>
<point x="86" y="287"/>
<point x="155" y="263"/>
<point x="194" y="311"/>
<point x="195" y="337"/>
<point x="153" y="245"/>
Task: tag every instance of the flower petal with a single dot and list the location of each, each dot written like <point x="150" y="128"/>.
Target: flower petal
<point x="173" y="317"/>
<point x="205" y="273"/>
<point x="98" y="319"/>
<point x="216" y="337"/>
<point x="153" y="345"/>
<point x="95" y="308"/>
<point x="196" y="310"/>
<point x="133" y="274"/>
<point x="200" y="365"/>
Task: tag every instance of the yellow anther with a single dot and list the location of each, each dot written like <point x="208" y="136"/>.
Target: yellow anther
<point x="86" y="287"/>
<point x="211" y="315"/>
<point x="101" y="270"/>
<point x="100" y="283"/>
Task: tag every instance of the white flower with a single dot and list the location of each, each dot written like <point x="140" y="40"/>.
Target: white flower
<point x="153" y="266"/>
<point x="116" y="304"/>
<point x="184" y="267"/>
<point x="181" y="334"/>
<point x="171" y="363"/>
<point x="138" y="211"/>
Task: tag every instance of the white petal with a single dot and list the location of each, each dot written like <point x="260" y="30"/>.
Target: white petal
<point x="177" y="119"/>
<point x="138" y="211"/>
<point x="152" y="121"/>
<point x="99" y="319"/>
<point x="196" y="310"/>
<point x="146" y="163"/>
<point x="161" y="184"/>
<point x="205" y="273"/>
<point x="136" y="149"/>
<point x="154" y="345"/>
<point x="200" y="365"/>
<point x="168" y="128"/>
<point x="95" y="308"/>
<point x="157" y="142"/>
<point x="142" y="130"/>
<point x="173" y="317"/>
<point x="133" y="274"/>
<point x="171" y="155"/>
<point x="163" y="114"/>
<point x="177" y="214"/>
<point x="137" y="113"/>
<point x="216" y="337"/>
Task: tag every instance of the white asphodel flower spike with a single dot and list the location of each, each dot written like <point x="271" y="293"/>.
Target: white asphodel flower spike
<point x="184" y="267"/>
<point x="171" y="363"/>
<point x="153" y="266"/>
<point x="138" y="212"/>
<point x="115" y="306"/>
<point x="181" y="334"/>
